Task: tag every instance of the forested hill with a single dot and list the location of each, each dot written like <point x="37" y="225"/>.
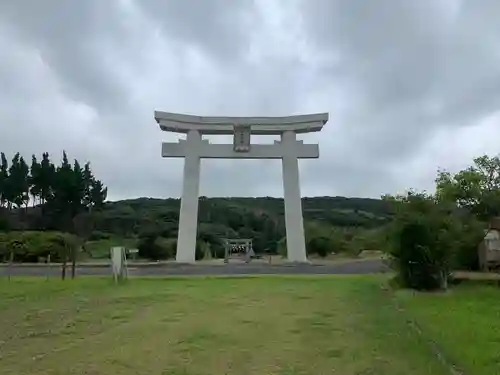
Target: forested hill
<point x="152" y="224"/>
<point x="237" y="216"/>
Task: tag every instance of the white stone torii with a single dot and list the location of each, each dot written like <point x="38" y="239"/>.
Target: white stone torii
<point x="193" y="148"/>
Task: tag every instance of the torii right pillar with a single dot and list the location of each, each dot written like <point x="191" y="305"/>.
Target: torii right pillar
<point x="295" y="239"/>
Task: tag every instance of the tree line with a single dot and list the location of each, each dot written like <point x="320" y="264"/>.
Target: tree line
<point x="142" y="222"/>
<point x="66" y="188"/>
<point x="62" y="196"/>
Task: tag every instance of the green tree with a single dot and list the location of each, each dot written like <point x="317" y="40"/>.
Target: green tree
<point x="18" y="182"/>
<point x="59" y="200"/>
<point x="93" y="195"/>
<point x="88" y="179"/>
<point x="77" y="190"/>
<point x="24" y="182"/>
<point x="46" y="178"/>
<point x="4" y="180"/>
<point x="476" y="189"/>
<point x="60" y="204"/>
<point x="98" y="194"/>
<point x="34" y="180"/>
<point x="423" y="240"/>
<point x="63" y="193"/>
<point x="71" y="193"/>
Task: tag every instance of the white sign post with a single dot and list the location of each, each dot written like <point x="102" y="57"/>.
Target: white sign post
<point x="118" y="263"/>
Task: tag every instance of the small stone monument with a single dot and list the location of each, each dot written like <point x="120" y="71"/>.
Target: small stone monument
<point x="489" y="247"/>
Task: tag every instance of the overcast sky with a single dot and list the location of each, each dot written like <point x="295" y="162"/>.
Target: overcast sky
<point x="410" y="86"/>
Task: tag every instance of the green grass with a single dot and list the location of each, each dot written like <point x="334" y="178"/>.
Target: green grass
<point x="100" y="248"/>
<point x="264" y="325"/>
<point x="464" y="322"/>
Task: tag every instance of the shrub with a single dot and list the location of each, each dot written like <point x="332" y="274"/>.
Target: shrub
<point x="207" y="237"/>
<point x="419" y="265"/>
<point x="31" y="246"/>
<point x="319" y="245"/>
<point x="156" y="248"/>
<point x="281" y="247"/>
<point x="203" y="250"/>
<point x="422" y="243"/>
<point x="217" y="249"/>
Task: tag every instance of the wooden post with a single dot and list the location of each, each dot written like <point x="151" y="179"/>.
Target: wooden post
<point x="65" y="261"/>
<point x="48" y="268"/>
<point x="73" y="261"/>
<point x="11" y="260"/>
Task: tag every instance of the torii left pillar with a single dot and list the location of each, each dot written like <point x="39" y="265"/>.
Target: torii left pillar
<point x="188" y="217"/>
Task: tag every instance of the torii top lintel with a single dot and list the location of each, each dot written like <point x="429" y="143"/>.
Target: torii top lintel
<point x="179" y="123"/>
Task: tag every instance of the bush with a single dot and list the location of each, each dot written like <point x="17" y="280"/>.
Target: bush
<point x="156" y="248"/>
<point x="417" y="263"/>
<point x="168" y="246"/>
<point x="423" y="241"/>
<point x="319" y="245"/>
<point x="203" y="250"/>
<point x="160" y="248"/>
<point x="218" y="250"/>
<point x="31" y="246"/>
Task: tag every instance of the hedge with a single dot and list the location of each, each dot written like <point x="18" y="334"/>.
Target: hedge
<point x="35" y="246"/>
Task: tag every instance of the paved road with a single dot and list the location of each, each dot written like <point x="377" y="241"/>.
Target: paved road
<point x="355" y="267"/>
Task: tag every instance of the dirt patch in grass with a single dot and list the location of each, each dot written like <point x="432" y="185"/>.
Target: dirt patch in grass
<point x="265" y="325"/>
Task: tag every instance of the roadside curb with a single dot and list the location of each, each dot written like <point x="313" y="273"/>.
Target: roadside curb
<point x="182" y="265"/>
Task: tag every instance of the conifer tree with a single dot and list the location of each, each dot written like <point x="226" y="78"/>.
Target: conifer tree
<point x="4" y="177"/>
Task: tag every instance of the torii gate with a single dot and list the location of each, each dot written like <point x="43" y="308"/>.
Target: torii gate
<point x="193" y="148"/>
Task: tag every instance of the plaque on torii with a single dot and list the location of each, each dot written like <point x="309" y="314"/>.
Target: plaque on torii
<point x="241" y="138"/>
<point x="194" y="147"/>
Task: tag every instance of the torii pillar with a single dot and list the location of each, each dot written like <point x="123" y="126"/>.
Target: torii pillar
<point x="193" y="148"/>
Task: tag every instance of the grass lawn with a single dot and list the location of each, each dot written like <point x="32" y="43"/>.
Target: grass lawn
<point x="464" y="322"/>
<point x="264" y="325"/>
<point x="100" y="248"/>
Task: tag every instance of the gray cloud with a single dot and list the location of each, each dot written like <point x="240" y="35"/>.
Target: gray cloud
<point x="77" y="41"/>
<point x="219" y="27"/>
<point x="86" y="76"/>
